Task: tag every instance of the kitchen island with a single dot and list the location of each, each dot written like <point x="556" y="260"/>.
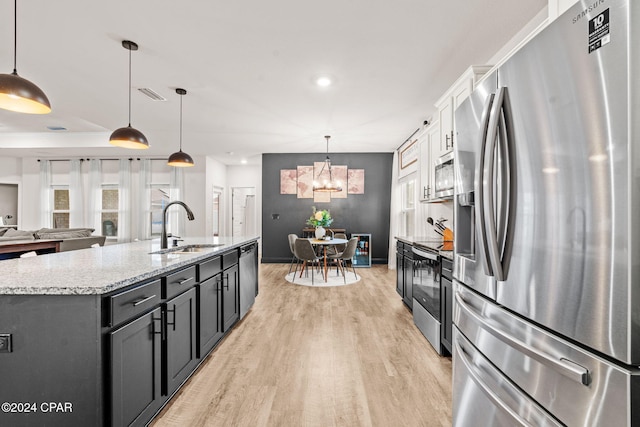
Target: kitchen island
<point x="105" y="336"/>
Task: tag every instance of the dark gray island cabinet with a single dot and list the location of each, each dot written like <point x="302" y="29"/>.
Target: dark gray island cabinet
<point x="115" y="358"/>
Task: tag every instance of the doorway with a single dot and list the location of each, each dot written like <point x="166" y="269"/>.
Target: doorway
<point x="216" y="217"/>
<point x="243" y="211"/>
<point x="9" y="204"/>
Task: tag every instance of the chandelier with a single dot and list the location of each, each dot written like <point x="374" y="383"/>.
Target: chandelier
<point x="327" y="186"/>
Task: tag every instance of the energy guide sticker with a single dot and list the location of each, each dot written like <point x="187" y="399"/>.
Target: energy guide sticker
<point x="599" y="31"/>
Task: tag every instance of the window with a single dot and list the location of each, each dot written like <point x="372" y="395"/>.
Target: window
<point x="159" y="199"/>
<point x="109" y="212"/>
<point x="408" y="211"/>
<point x="60" y="212"/>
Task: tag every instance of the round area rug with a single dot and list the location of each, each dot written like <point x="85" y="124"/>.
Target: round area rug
<point x="318" y="280"/>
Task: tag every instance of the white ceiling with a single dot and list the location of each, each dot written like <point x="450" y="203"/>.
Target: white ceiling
<point x="249" y="68"/>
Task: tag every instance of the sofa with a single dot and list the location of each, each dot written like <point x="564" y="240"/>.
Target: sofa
<point x="72" y="238"/>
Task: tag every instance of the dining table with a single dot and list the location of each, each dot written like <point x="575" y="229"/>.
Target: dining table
<point x="325" y="243"/>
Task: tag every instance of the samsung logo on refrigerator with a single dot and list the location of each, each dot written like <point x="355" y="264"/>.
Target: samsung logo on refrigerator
<point x="588" y="10"/>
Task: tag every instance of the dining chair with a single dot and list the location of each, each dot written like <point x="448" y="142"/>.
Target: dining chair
<point x="292" y="239"/>
<point x="346" y="255"/>
<point x="336" y="249"/>
<point x="304" y="252"/>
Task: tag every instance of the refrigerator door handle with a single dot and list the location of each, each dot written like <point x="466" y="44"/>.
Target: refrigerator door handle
<point x="510" y="177"/>
<point x="502" y="184"/>
<point x="491" y="395"/>
<point x="489" y="183"/>
<point x="480" y="179"/>
<point x="562" y="365"/>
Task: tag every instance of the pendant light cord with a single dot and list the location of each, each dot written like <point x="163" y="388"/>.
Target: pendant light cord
<point x="15" y="36"/>
<point x="328" y="161"/>
<point x="181" y="122"/>
<point x="129" y="86"/>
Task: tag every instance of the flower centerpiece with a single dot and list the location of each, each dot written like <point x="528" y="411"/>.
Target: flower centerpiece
<point x="320" y="219"/>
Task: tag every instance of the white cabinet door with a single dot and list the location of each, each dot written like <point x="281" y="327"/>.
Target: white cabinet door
<point x="433" y="136"/>
<point x="425" y="164"/>
<point x="452" y="99"/>
<point x="445" y="118"/>
<point x="429" y="142"/>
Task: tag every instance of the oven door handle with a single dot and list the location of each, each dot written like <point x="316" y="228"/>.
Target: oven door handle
<point x="424" y="254"/>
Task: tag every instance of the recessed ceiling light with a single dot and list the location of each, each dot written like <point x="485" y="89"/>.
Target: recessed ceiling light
<point x="323" y="81"/>
<point x="243" y="161"/>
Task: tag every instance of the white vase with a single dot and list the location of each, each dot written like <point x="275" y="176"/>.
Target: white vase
<point x="320" y="232"/>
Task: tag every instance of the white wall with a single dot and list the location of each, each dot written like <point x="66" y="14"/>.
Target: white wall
<point x="10" y="170"/>
<point x="194" y="197"/>
<point x="216" y="176"/>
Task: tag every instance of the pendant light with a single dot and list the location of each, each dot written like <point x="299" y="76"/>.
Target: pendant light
<point x="180" y="159"/>
<point x="128" y="137"/>
<point x="328" y="186"/>
<point x="18" y="94"/>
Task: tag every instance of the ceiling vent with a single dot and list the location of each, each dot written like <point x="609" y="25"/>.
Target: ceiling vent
<point x="152" y="94"/>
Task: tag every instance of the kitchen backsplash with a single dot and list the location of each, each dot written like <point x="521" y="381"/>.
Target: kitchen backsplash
<point x="435" y="211"/>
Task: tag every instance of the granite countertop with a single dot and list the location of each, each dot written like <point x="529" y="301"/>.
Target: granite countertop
<point x="104" y="269"/>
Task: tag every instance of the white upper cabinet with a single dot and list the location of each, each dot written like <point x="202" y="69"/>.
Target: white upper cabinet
<point x="429" y="140"/>
<point x="448" y="103"/>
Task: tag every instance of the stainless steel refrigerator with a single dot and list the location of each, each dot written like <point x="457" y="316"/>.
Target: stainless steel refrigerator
<point x="547" y="216"/>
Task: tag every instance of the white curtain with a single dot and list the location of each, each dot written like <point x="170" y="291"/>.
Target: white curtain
<point x="144" y="200"/>
<point x="76" y="195"/>
<point x="394" y="214"/>
<point x="124" y="201"/>
<point x="176" y="223"/>
<point x="94" y="196"/>
<point x="45" y="194"/>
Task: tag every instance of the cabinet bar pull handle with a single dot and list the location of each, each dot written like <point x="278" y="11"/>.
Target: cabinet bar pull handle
<point x="173" y="311"/>
<point x="564" y="366"/>
<point x="182" y="282"/>
<point x="154" y="319"/>
<point x="226" y="278"/>
<point x="143" y="300"/>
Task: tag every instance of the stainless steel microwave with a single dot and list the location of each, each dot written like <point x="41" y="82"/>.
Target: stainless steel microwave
<point x="443" y="184"/>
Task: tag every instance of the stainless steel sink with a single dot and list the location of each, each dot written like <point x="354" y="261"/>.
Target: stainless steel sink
<point x="188" y="249"/>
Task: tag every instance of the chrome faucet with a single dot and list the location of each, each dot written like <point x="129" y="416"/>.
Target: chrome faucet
<point x="163" y="237"/>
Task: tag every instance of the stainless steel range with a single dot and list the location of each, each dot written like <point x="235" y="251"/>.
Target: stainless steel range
<point x="426" y="293"/>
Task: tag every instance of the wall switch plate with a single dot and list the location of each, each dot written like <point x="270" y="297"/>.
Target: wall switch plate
<point x="5" y="343"/>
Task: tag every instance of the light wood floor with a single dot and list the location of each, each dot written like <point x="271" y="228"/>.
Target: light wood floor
<point x="303" y="356"/>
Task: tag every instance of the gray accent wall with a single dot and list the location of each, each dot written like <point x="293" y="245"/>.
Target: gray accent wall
<point x="366" y="213"/>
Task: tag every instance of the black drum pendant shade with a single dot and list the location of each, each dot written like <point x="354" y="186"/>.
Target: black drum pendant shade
<point x="129" y="137"/>
<point x="19" y="94"/>
<point x="180" y="159"/>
